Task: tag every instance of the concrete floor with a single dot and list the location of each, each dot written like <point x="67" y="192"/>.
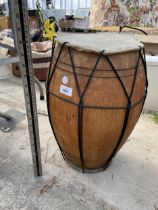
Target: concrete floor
<point x="130" y="183"/>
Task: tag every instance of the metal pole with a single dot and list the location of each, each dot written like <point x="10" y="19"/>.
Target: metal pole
<point x="12" y="15"/>
<point x="78" y="4"/>
<point x="61" y="4"/>
<point x="65" y="6"/>
<point x="33" y="4"/>
<point x="71" y="7"/>
<point x="86" y="3"/>
<point x="40" y="88"/>
<point x="19" y="16"/>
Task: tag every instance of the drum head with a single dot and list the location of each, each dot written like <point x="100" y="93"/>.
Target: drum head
<point x="110" y="42"/>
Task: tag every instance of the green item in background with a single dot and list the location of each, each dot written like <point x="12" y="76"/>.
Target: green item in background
<point x="155" y="118"/>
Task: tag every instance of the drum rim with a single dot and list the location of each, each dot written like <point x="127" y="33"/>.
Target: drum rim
<point x="98" y="52"/>
<point x="88" y="171"/>
<point x="60" y="40"/>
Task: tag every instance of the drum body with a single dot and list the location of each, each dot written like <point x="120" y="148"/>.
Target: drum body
<point x="94" y="101"/>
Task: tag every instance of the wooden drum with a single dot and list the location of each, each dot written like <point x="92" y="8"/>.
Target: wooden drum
<point x="96" y="90"/>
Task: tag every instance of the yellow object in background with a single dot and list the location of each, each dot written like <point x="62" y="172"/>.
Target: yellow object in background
<point x="50" y="28"/>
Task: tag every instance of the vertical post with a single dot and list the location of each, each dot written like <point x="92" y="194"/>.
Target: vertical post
<point x="33" y="4"/>
<point x="52" y="4"/>
<point x="11" y="13"/>
<point x="19" y="15"/>
<point x="71" y="7"/>
<point x="78" y="4"/>
<point x="86" y="3"/>
<point x="61" y="4"/>
<point x="65" y="6"/>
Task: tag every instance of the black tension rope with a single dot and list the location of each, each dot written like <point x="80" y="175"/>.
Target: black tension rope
<point x="52" y="70"/>
<point x="50" y="75"/>
<point x="81" y="103"/>
<point x="138" y="29"/>
<point x="82" y="106"/>
<point x="128" y="108"/>
<point x="143" y="58"/>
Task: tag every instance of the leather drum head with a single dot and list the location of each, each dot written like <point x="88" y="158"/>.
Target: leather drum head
<point x="110" y="42"/>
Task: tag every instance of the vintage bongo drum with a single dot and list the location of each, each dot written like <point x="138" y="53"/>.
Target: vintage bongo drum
<point x="96" y="90"/>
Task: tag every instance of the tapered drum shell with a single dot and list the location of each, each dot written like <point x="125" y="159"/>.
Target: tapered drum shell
<point x="95" y="96"/>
